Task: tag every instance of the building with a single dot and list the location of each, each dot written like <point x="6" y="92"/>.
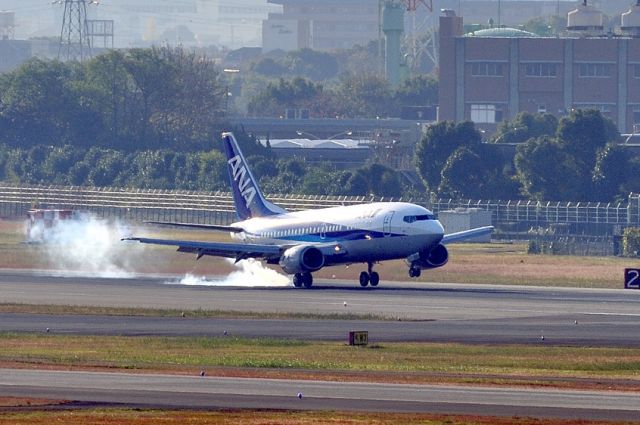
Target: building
<point x="321" y="25"/>
<point x="491" y="75"/>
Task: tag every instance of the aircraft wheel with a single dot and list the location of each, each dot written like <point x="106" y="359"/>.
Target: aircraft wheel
<point x="297" y="280"/>
<point x="374" y="279"/>
<point x="414" y="272"/>
<point x="307" y="280"/>
<point x="364" y="279"/>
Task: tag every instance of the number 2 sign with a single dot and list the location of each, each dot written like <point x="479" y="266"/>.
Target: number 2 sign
<point x="632" y="278"/>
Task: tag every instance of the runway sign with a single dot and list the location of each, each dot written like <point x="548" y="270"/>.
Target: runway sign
<point x="632" y="278"/>
<point x="358" y="337"/>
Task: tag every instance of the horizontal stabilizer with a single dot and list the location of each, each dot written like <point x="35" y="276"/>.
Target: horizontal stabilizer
<point x="466" y="234"/>
<point x="215" y="227"/>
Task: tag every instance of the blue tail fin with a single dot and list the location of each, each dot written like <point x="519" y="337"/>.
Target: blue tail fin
<point x="246" y="193"/>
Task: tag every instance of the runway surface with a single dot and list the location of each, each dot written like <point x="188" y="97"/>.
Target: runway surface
<point x="216" y="392"/>
<point x="428" y="312"/>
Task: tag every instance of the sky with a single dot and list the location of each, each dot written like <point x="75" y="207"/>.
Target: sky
<point x="231" y="23"/>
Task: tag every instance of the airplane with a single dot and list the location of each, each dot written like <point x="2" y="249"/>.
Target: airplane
<point x="303" y="242"/>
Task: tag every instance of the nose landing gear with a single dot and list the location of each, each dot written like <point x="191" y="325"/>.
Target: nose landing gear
<point x="369" y="277"/>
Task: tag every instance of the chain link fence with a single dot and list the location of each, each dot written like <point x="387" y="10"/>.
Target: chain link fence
<point x="218" y="208"/>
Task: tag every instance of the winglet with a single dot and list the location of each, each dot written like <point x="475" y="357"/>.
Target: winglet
<point x="247" y="196"/>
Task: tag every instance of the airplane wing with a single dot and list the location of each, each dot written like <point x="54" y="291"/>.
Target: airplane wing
<point x="238" y="251"/>
<point x="215" y="227"/>
<point x="466" y="234"/>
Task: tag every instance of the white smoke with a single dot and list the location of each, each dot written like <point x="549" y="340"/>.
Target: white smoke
<point x="250" y="273"/>
<point x="86" y="245"/>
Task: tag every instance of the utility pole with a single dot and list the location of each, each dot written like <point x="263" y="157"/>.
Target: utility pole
<point x="75" y="43"/>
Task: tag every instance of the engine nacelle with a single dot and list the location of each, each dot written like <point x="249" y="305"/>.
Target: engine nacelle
<point x="301" y="258"/>
<point x="437" y="257"/>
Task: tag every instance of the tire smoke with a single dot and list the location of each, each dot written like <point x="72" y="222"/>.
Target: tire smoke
<point x="86" y="246"/>
<point x="250" y="273"/>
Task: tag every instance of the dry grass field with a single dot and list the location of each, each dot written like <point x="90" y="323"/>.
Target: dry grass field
<point x="261" y="417"/>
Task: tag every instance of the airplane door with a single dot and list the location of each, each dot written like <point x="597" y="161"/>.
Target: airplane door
<point x="386" y="223"/>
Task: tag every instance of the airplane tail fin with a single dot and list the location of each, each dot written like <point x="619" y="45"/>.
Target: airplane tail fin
<point x="247" y="196"/>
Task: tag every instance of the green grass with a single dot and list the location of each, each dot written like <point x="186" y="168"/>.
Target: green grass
<point x="171" y="352"/>
<point x="199" y="313"/>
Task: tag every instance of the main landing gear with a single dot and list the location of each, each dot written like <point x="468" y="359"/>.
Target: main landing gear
<point x="302" y="279"/>
<point x="414" y="271"/>
<point x="369" y="277"/>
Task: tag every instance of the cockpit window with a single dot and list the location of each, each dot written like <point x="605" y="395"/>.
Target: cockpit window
<point x="422" y="217"/>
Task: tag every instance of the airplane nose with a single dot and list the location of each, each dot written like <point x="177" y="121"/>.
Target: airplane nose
<point x="434" y="227"/>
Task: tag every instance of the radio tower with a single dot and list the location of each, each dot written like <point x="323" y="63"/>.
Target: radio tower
<point x="75" y="43"/>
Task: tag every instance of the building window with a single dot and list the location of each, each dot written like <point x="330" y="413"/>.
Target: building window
<point x="486" y="113"/>
<point x="595" y="70"/>
<point x="541" y="69"/>
<point x="487" y="69"/>
<point x="542" y="109"/>
<point x="636" y="71"/>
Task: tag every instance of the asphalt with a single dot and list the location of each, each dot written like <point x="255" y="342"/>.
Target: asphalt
<point x="426" y="312"/>
<point x="216" y="392"/>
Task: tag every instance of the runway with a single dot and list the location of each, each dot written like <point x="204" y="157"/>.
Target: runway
<point x="427" y="312"/>
<point x="217" y="392"/>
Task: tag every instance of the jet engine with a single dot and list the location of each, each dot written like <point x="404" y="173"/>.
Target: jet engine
<point x="301" y="259"/>
<point x="437" y="257"/>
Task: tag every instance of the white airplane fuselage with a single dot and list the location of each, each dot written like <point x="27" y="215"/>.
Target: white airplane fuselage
<point x="367" y="233"/>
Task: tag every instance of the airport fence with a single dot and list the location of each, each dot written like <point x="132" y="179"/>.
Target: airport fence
<point x="217" y="207"/>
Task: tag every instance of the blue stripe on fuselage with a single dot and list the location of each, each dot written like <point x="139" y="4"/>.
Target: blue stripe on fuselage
<point x="340" y="236"/>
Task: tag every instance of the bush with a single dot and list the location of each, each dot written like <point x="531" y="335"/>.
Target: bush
<point x="631" y="242"/>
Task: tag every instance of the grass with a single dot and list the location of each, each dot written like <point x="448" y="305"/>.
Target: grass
<point x="469" y="263"/>
<point x="192" y="353"/>
<point x="263" y="417"/>
<point x="153" y="312"/>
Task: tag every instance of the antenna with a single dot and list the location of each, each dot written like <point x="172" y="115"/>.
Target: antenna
<point x="75" y="43"/>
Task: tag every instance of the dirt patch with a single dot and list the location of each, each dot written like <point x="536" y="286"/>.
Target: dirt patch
<point x="9" y="402"/>
<point x="265" y="417"/>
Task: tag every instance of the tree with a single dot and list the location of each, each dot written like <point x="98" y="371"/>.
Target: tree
<point x="364" y="96"/>
<point x="526" y="126"/>
<point x="548" y="172"/>
<point x="311" y="64"/>
<point x="418" y="90"/>
<point x="439" y="142"/>
<point x="616" y="173"/>
<point x="276" y="97"/>
<point x="583" y="133"/>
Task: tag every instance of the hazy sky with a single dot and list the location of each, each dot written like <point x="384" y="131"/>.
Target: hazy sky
<point x="234" y="23"/>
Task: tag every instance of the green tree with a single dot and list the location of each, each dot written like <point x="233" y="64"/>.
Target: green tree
<point x="439" y="142"/>
<point x="364" y="96"/>
<point x="418" y="90"/>
<point x="548" y="172"/>
<point x="583" y="133"/>
<point x="526" y="126"/>
<point x="276" y="97"/>
<point x="311" y="64"/>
